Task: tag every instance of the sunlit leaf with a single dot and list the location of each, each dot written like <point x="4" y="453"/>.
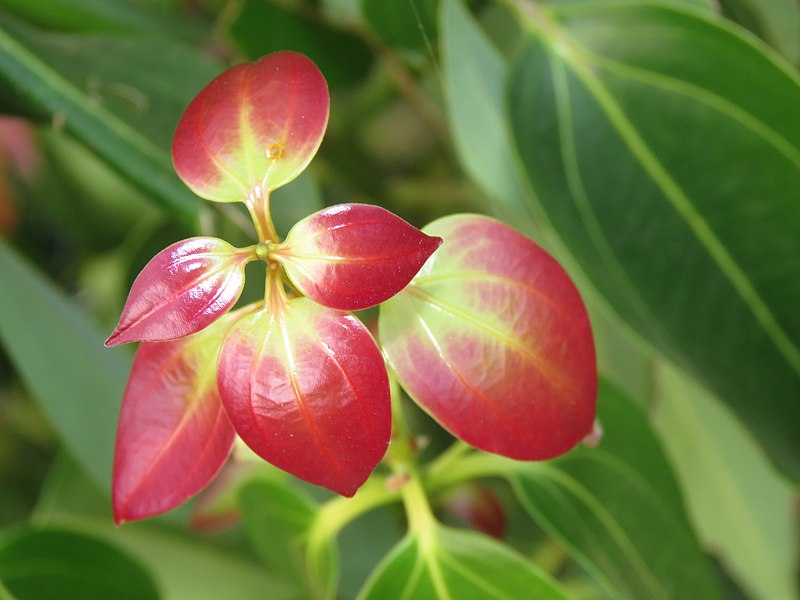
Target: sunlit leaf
<point x="182" y="290"/>
<point x="449" y="564"/>
<point x="491" y="338"/>
<point x="52" y="564"/>
<point x="352" y="256"/>
<point x="173" y="433"/>
<point x="306" y="388"/>
<point x="253" y="128"/>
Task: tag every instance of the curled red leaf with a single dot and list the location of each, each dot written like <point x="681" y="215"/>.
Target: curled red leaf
<point x="306" y="388"/>
<point x="182" y="290"/>
<point x="352" y="256"/>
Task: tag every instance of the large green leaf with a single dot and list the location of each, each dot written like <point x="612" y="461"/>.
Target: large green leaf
<point x="121" y="95"/>
<point x="58" y="352"/>
<point x="450" y="564"/>
<point x="52" y="564"/>
<point x="676" y="187"/>
<point x="743" y="511"/>
<point x="618" y="510"/>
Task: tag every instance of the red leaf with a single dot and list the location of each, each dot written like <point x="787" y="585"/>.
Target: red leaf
<point x="306" y="388"/>
<point x="492" y="339"/>
<point x="173" y="434"/>
<point x="257" y="125"/>
<point x="183" y="289"/>
<point x="352" y="256"/>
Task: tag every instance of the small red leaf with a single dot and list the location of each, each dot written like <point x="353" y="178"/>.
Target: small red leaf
<point x="306" y="388"/>
<point x="255" y="127"/>
<point x="492" y="338"/>
<point x="173" y="434"/>
<point x="183" y="289"/>
<point x="352" y="256"/>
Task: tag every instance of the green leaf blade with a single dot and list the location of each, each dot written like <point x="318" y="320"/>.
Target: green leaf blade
<point x="451" y="564"/>
<point x="691" y="236"/>
<point x="59" y="354"/>
<point x="617" y="510"/>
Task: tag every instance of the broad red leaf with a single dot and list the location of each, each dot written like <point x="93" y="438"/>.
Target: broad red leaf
<point x="352" y="256"/>
<point x="493" y="340"/>
<point x="183" y="289"/>
<point x="173" y="434"/>
<point x="253" y="128"/>
<point x="306" y="388"/>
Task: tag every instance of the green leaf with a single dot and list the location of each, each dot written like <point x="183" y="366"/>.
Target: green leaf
<point x="474" y="76"/>
<point x="278" y="518"/>
<point x="120" y="95"/>
<point x="407" y="24"/>
<point x="99" y="15"/>
<point x="184" y="567"/>
<point x="262" y="28"/>
<point x="618" y="511"/>
<point x="741" y="509"/>
<point x="58" y="352"/>
<point x="676" y="187"/>
<point x="450" y="564"/>
<point x="775" y="21"/>
<point x="51" y="564"/>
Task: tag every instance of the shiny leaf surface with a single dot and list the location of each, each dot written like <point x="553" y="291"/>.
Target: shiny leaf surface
<point x="253" y="128"/>
<point x="306" y="388"/>
<point x="185" y="288"/>
<point x="692" y="238"/>
<point x="352" y="256"/>
<point x="491" y="338"/>
<point x="173" y="433"/>
<point x="452" y="564"/>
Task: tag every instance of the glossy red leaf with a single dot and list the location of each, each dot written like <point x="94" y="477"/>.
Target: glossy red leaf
<point x="306" y="388"/>
<point x="183" y="289"/>
<point x="352" y="256"/>
<point x="173" y="434"/>
<point x="493" y="340"/>
<point x="253" y="128"/>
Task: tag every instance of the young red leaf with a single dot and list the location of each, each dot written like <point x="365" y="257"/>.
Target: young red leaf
<point x="493" y="340"/>
<point x="253" y="128"/>
<point x="352" y="256"/>
<point x="306" y="388"/>
<point x="183" y="289"/>
<point x="173" y="434"/>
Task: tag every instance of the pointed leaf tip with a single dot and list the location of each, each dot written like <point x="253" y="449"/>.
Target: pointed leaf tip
<point x="182" y="290"/>
<point x="256" y="126"/>
<point x="353" y="256"/>
<point x="306" y="388"/>
<point x="493" y="340"/>
<point x="173" y="434"/>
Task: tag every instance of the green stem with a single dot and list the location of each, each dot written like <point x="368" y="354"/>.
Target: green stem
<point x="441" y="475"/>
